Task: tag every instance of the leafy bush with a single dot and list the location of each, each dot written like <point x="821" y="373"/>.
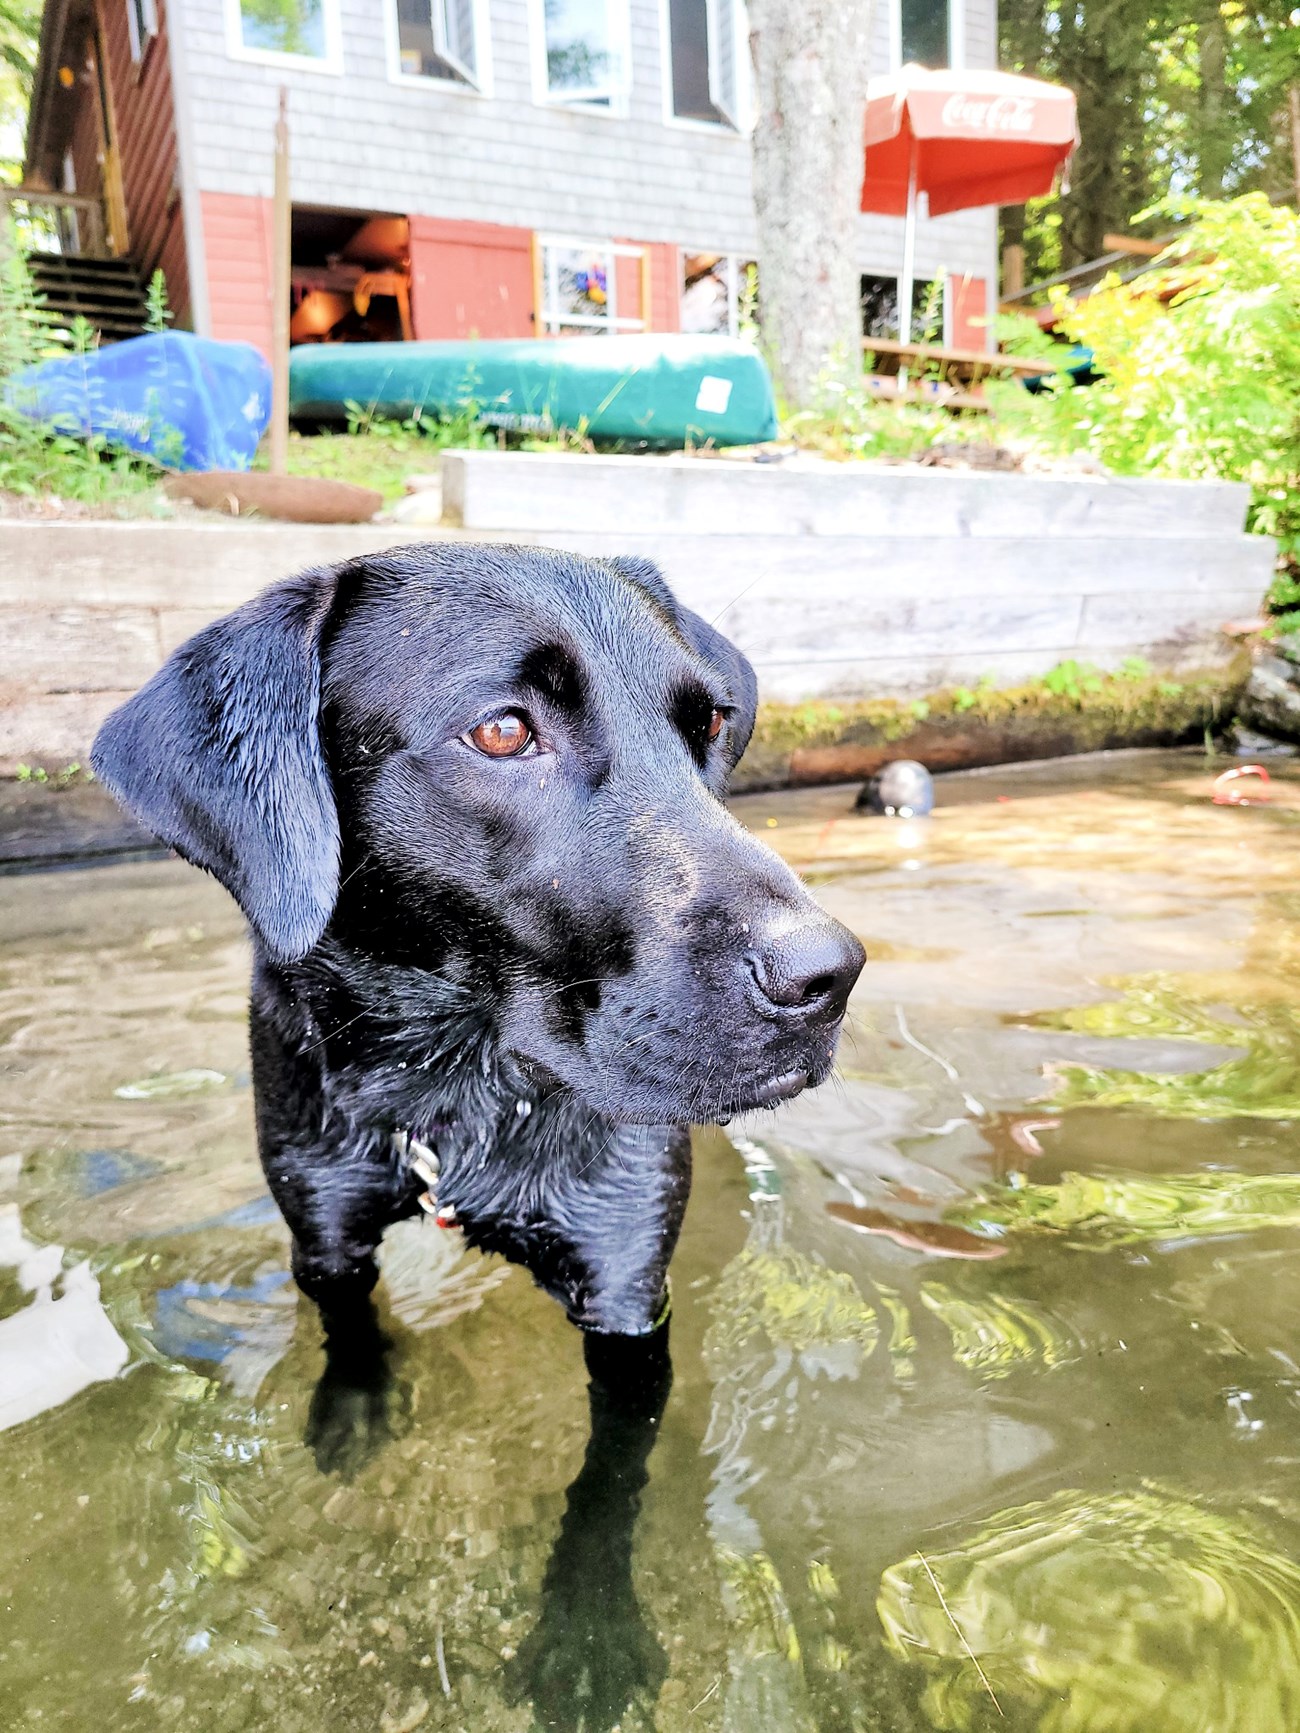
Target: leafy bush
<point x="1201" y="367"/>
<point x="36" y="459"/>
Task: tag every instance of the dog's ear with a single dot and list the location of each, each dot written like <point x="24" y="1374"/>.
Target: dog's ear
<point x="707" y="642"/>
<point x="220" y="756"/>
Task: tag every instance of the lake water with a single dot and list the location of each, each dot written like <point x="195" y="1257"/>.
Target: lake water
<point x="986" y="1409"/>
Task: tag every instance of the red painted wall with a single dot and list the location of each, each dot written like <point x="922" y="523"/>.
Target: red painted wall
<point x="467" y="279"/>
<point x="970" y="313"/>
<point x="237" y="240"/>
<point x="665" y="286"/>
<point x="470" y="279"/>
<point x="146" y="142"/>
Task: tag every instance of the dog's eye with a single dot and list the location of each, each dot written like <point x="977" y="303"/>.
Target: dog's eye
<point x="716" y="720"/>
<point x="504" y="736"/>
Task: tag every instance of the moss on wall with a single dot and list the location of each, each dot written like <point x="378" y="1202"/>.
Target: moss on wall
<point x="1072" y="708"/>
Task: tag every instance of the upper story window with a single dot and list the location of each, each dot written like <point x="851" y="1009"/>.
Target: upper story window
<point x="286" y="32"/>
<point x="445" y="39"/>
<point x="585" y="55"/>
<point x="708" y="61"/>
<point x="141" y="24"/>
<point x="928" y="32"/>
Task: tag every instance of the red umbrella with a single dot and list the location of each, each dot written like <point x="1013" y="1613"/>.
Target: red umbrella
<point x="963" y="139"/>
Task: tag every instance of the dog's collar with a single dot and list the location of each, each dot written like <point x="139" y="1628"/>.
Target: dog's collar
<point x="422" y="1160"/>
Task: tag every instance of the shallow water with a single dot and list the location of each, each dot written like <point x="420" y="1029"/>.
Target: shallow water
<point x="987" y="1397"/>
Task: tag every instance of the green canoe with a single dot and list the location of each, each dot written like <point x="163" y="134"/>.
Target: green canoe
<point x="663" y="391"/>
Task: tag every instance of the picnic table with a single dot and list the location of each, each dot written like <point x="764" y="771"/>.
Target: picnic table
<point x="929" y="373"/>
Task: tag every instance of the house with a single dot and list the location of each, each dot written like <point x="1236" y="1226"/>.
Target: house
<point x="500" y="168"/>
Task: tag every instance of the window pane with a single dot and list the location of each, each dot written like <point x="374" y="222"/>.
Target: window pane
<point x="284" y="26"/>
<point x="417" y="47"/>
<point x="688" y="31"/>
<point x="580" y="58"/>
<point x="576" y="290"/>
<point x="924" y="31"/>
<point x="879" y="296"/>
<point x="706" y="295"/>
<point x="457" y="18"/>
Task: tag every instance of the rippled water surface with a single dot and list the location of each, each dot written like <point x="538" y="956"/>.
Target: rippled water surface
<point x="987" y="1398"/>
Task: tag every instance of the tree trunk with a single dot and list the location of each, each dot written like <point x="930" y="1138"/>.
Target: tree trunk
<point x="1215" y="142"/>
<point x="810" y="68"/>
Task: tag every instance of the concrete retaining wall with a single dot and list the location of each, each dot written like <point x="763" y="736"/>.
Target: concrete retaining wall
<point x="837" y="582"/>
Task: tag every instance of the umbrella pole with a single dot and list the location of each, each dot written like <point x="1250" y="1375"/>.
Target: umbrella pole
<point x="909" y="262"/>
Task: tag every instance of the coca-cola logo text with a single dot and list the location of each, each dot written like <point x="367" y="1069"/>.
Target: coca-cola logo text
<point x="989" y="114"/>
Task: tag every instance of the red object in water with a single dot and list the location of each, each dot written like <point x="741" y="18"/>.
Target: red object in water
<point x="963" y="139"/>
<point x="1225" y="795"/>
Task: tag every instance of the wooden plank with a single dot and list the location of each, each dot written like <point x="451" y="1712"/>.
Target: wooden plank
<point x="78" y="649"/>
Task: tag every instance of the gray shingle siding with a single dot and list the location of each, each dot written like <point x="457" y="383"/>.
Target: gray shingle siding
<point x="362" y="140"/>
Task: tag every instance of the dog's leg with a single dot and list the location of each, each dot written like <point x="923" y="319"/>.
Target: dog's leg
<point x="591" y="1652"/>
<point x="337" y="1188"/>
<point x="616" y="1217"/>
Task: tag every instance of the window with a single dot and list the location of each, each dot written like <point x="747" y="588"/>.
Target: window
<point x="585" y="52"/>
<point x="879" y="297"/>
<point x="141" y="24"/>
<point x="708" y="61"/>
<point x="928" y="32"/>
<point x="587" y="287"/>
<point x="718" y="294"/>
<point x="298" y="32"/>
<point x="440" y="39"/>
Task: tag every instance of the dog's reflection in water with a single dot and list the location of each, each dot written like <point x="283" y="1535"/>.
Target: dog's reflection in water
<point x="591" y="1652"/>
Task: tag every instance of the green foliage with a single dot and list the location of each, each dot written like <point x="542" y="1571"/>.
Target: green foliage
<point x="1093" y="1612"/>
<point x="65" y="778"/>
<point x="1201" y="367"/>
<point x="1183" y="96"/>
<point x="39" y="459"/>
<point x="158" y="313"/>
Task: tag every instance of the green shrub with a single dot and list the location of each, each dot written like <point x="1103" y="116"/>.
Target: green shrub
<point x="1201" y="368"/>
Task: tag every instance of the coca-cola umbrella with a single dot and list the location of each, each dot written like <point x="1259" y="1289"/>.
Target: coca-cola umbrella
<point x="963" y="139"/>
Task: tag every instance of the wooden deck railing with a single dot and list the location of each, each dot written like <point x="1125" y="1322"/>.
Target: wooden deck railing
<point x="71" y="223"/>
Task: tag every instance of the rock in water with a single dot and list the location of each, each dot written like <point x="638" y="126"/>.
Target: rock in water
<point x="903" y="789"/>
<point x="1271" y="702"/>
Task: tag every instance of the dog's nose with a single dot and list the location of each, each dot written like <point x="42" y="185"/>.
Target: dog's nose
<point x="808" y="970"/>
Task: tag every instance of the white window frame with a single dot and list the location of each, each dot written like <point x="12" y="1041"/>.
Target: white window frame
<point x="619" y="104"/>
<point x="330" y="63"/>
<point x="549" y="322"/>
<point x="480" y="85"/>
<point x="956" y="35"/>
<point x="138" y="44"/>
<point x="743" y="124"/>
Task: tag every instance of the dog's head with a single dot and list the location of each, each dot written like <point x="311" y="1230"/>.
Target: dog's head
<point x="502" y="766"/>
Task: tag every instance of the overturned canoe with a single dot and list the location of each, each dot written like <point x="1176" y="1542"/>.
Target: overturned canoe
<point x="665" y="391"/>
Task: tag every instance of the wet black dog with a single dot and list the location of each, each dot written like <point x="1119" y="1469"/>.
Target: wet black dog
<point x="508" y="941"/>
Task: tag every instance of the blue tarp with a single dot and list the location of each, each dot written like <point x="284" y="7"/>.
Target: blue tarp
<point x="189" y="402"/>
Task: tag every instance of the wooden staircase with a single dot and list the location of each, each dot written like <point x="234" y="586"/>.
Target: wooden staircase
<point x="106" y="292"/>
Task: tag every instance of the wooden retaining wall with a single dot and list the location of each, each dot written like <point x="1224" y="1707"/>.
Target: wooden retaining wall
<point x="838" y="583"/>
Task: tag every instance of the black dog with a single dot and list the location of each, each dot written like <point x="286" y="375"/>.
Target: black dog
<point x="508" y="941"/>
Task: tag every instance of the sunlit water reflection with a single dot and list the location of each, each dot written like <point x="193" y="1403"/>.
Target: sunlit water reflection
<point x="987" y="1398"/>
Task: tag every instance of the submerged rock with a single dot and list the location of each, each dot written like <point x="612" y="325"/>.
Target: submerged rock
<point x="1248" y="743"/>
<point x="1271" y="701"/>
<point x="903" y="789"/>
